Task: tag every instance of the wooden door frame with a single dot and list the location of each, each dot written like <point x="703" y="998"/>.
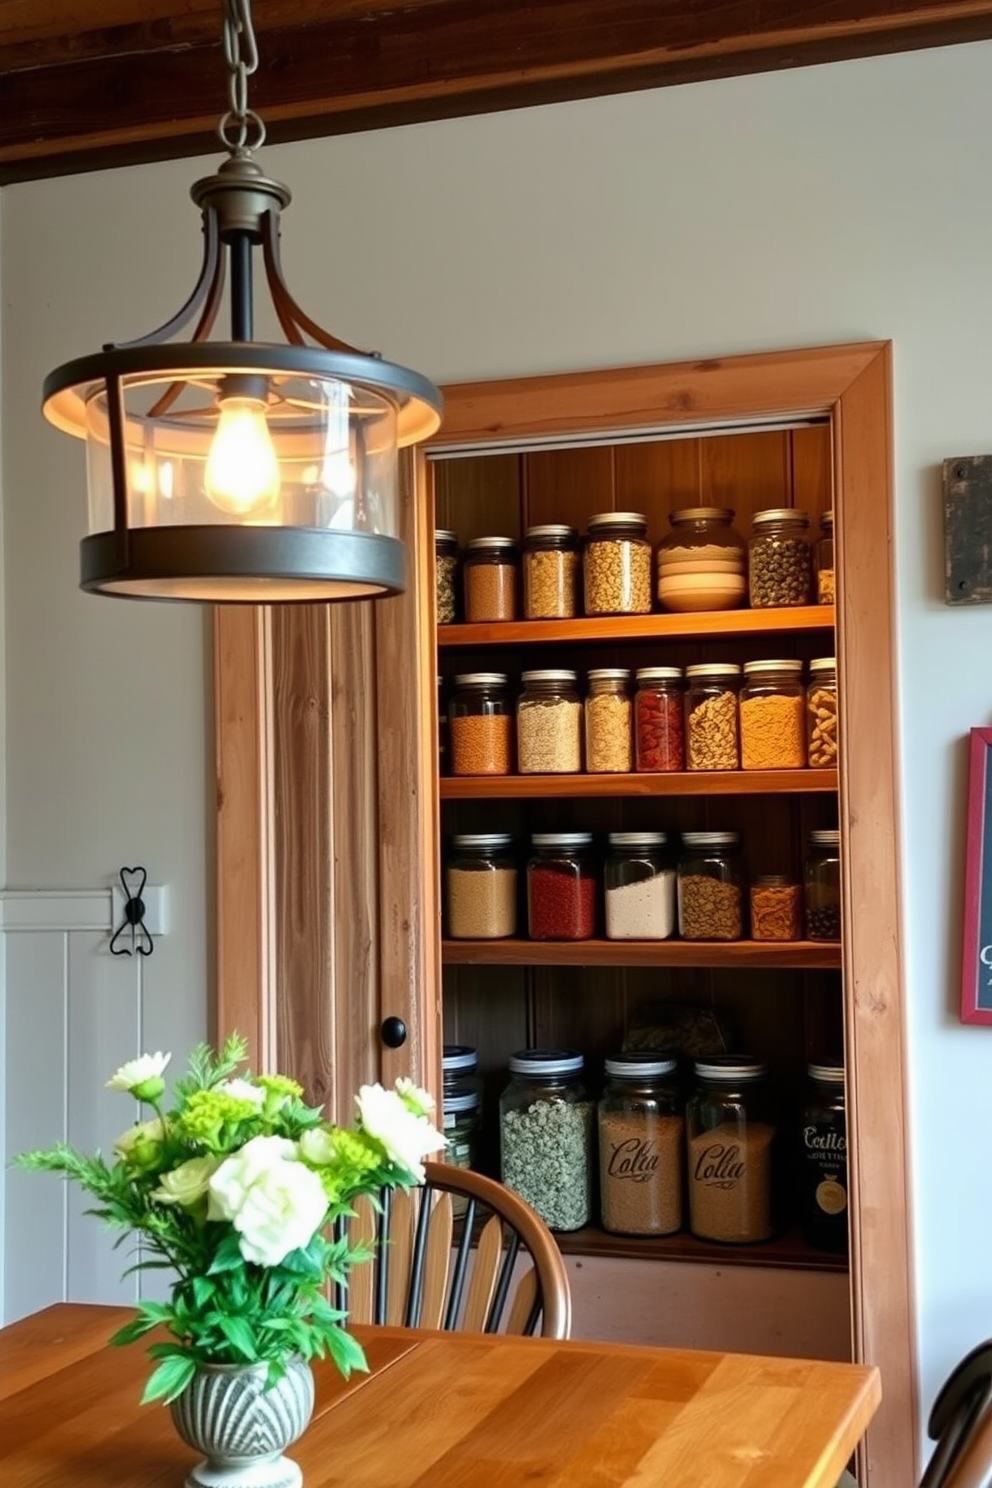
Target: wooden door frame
<point x="852" y="386"/>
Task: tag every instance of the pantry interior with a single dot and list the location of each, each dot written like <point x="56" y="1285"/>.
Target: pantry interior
<point x="333" y="813"/>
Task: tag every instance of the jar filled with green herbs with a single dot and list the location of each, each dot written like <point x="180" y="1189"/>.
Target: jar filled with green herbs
<point x="546" y="1136"/>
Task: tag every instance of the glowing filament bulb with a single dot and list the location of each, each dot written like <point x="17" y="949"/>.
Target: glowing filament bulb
<point x="242" y="472"/>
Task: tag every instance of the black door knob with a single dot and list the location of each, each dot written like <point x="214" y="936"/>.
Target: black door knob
<point x="393" y="1032"/>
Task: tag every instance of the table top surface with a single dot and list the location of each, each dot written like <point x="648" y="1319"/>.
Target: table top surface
<point x="449" y="1410"/>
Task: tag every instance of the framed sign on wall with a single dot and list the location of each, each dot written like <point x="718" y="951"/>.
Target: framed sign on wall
<point x="976" y="959"/>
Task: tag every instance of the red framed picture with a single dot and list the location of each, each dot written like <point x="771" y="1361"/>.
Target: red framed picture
<point x="976" y="957"/>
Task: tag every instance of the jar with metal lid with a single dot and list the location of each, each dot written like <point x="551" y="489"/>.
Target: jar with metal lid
<point x="551" y="572"/>
<point x="711" y="716"/>
<point x="776" y="908"/>
<point x="460" y="1070"/>
<point x="546" y="1136"/>
<point x="772" y="709"/>
<point x="823" y="560"/>
<point x="489" y="574"/>
<point x="823" y="1160"/>
<point x="639" y="887"/>
<point x="702" y="563"/>
<point x="445" y="573"/>
<point x="780" y="559"/>
<point x="731" y="1138"/>
<point x="549" y="723"/>
<point x="609" y="719"/>
<point x="616" y="565"/>
<point x="821" y="714"/>
<point x="641" y="1146"/>
<point x="480" y="725"/>
<point x="481" y="885"/>
<point x="710" y="892"/>
<point x="659" y="719"/>
<point x="561" y="887"/>
<point x="821" y="882"/>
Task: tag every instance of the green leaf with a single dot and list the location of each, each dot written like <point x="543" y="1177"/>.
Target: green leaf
<point x="204" y="1290"/>
<point x="227" y="1256"/>
<point x="241" y="1336"/>
<point x="346" y="1352"/>
<point x="170" y="1378"/>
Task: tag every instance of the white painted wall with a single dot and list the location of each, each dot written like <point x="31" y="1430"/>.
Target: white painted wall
<point x="820" y="205"/>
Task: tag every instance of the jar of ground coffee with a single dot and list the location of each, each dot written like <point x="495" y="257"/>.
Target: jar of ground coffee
<point x="823" y="1160"/>
<point x="730" y="1141"/>
<point x="641" y="1146"/>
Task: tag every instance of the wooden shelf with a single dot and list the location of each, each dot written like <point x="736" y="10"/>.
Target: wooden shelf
<point x="762" y="954"/>
<point x="790" y="1251"/>
<point x="687" y="783"/>
<point x="615" y="628"/>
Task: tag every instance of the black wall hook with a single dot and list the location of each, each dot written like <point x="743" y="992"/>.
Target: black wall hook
<point x="133" y="882"/>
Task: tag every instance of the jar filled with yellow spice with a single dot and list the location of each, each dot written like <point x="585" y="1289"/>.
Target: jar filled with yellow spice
<point x="772" y="716"/>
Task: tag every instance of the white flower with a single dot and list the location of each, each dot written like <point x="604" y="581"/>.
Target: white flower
<point x="274" y="1202"/>
<point x="415" y="1097"/>
<point x="407" y="1138"/>
<point x="142" y="1075"/>
<point x="317" y="1146"/>
<point x="140" y="1140"/>
<point x="188" y="1183"/>
<point x="242" y="1090"/>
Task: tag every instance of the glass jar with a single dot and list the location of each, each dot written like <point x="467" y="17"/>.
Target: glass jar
<point x="639" y="887"/>
<point x="489" y="574"/>
<point x="702" y="563"/>
<point x="460" y="1071"/>
<point x="481" y="885"/>
<point x="730" y="1137"/>
<point x="442" y="730"/>
<point x="641" y="1146"/>
<point x="776" y="908"/>
<point x="659" y="719"/>
<point x="710" y="894"/>
<point x="711" y="716"/>
<point x="480" y="725"/>
<point x="545" y="1126"/>
<point x="823" y="560"/>
<point x="445" y="573"/>
<point x="616" y="565"/>
<point x="821" y="882"/>
<point x="780" y="560"/>
<point x="823" y="1160"/>
<point x="772" y="708"/>
<point x="549" y="724"/>
<point x="561" y="887"/>
<point x="821" y="714"/>
<point x="461" y="1128"/>
<point x="609" y="717"/>
<point x="551" y="572"/>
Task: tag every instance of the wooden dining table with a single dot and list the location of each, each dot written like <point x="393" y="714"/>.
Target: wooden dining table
<point x="449" y="1410"/>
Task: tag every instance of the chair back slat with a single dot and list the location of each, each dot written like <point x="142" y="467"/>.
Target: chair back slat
<point x="437" y="1262"/>
<point x="520" y="1318"/>
<point x="400" y="1257"/>
<point x="482" y="1284"/>
<point x="504" y="1277"/>
<point x="362" y="1230"/>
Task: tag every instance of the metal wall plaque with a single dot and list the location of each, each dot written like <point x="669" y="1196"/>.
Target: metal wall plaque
<point x="968" y="530"/>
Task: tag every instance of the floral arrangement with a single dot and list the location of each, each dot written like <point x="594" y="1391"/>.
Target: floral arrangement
<point x="233" y="1190"/>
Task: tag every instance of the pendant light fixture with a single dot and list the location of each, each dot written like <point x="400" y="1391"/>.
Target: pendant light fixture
<point x="241" y="470"/>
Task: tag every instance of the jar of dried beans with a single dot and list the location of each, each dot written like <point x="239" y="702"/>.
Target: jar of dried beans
<point x="711" y="718"/>
<point x="445" y="570"/>
<point x="480" y="725"/>
<point x="609" y="734"/>
<point x="550" y="572"/>
<point x="659" y="719"/>
<point x="776" y="908"/>
<point x="546" y="1136"/>
<point x="710" y="893"/>
<point x="772" y="709"/>
<point x="821" y="714"/>
<point x="561" y="887"/>
<point x="481" y="884"/>
<point x="780" y="559"/>
<point x="641" y="1146"/>
<point x="821" y="883"/>
<point x="823" y="560"/>
<point x="731" y="1139"/>
<point x="489" y="575"/>
<point x="702" y="562"/>
<point x="639" y="887"/>
<point x="823" y="1160"/>
<point x="549" y="724"/>
<point x="616" y="565"/>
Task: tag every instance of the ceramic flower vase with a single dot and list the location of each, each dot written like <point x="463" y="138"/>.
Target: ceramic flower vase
<point x="241" y="1428"/>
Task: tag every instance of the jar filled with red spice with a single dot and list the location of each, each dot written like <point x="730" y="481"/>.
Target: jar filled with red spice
<point x="561" y="887"/>
<point x="659" y="719"/>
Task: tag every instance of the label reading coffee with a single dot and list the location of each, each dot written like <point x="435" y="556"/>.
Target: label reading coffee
<point x="823" y="1159"/>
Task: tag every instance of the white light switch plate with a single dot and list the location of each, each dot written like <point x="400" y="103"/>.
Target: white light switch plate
<point x="155" y="898"/>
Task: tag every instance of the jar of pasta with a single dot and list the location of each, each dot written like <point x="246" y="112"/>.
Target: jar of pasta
<point x="480" y="725"/>
<point x="772" y="708"/>
<point x="489" y="575"/>
<point x="710" y="886"/>
<point x="824" y="560"/>
<point x="549" y="723"/>
<point x="780" y="559"/>
<point x="550" y="572"/>
<point x="659" y="719"/>
<point x="609" y="733"/>
<point x="776" y="908"/>
<point x="616" y="565"/>
<point x="702" y="562"/>
<point x="731" y="1136"/>
<point x="711" y="720"/>
<point x="641" y="1146"/>
<point x="481" y="883"/>
<point x="821" y="714"/>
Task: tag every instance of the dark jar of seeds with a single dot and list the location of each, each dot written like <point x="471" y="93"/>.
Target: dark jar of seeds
<point x="489" y="575"/>
<point x="772" y="708"/>
<point x="710" y="887"/>
<point x="821" y="885"/>
<point x="731" y="1165"/>
<point x="481" y="887"/>
<point x="561" y="887"/>
<point x="711" y="716"/>
<point x="616" y="565"/>
<point x="546" y="1136"/>
<point x="641" y="1146"/>
<point x="551" y="572"/>
<point x="480" y="725"/>
<point x="445" y="573"/>
<point x="659" y="719"/>
<point x="823" y="560"/>
<point x="822" y="1159"/>
<point x="780" y="559"/>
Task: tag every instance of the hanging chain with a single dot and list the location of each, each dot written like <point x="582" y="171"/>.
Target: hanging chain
<point x="241" y="56"/>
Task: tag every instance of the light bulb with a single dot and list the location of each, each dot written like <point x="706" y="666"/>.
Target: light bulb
<point x="242" y="472"/>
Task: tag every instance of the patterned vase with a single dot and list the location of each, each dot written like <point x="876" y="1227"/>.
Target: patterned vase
<point x="226" y="1413"/>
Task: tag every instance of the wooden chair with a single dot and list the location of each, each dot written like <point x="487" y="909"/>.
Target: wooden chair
<point x="459" y="1252"/>
<point x="961" y="1425"/>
